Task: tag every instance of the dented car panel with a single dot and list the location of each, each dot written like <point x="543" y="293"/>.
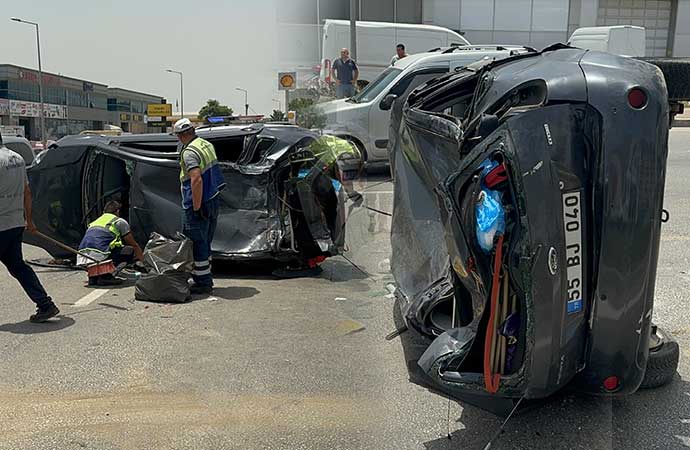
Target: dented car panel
<point x="583" y="207"/>
<point x="260" y="216"/>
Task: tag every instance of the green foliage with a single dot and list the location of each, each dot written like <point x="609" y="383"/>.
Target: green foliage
<point x="307" y="114"/>
<point x="213" y="108"/>
<point x="277" y="116"/>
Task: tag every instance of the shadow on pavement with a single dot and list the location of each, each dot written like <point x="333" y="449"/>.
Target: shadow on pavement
<point x="235" y="292"/>
<point x="654" y="418"/>
<point x="26" y="327"/>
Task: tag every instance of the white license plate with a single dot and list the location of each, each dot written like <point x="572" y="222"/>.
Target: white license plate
<point x="572" y="225"/>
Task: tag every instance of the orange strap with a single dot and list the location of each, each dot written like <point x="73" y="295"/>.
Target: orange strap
<point x="491" y="381"/>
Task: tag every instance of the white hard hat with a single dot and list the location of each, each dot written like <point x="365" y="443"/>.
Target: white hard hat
<point x="182" y="125"/>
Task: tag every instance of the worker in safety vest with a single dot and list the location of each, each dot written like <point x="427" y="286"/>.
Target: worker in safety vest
<point x="202" y="180"/>
<point x="341" y="160"/>
<point x="109" y="237"/>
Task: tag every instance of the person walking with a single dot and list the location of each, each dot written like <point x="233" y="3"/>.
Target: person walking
<point x="399" y="53"/>
<point x="345" y="72"/>
<point x="202" y="180"/>
<point x="15" y="217"/>
<point x="109" y="237"/>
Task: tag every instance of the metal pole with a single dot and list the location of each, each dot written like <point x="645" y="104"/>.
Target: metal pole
<point x="318" y="30"/>
<point x="181" y="90"/>
<point x="42" y="114"/>
<point x="353" y="29"/>
<point x="395" y="12"/>
<point x="181" y="96"/>
<point x="246" y="102"/>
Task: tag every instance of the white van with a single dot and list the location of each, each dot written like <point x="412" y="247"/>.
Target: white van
<point x="624" y="40"/>
<point x="361" y="119"/>
<point x="376" y="43"/>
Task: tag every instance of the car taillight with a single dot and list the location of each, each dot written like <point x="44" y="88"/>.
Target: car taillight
<point x="637" y="98"/>
<point x="611" y="383"/>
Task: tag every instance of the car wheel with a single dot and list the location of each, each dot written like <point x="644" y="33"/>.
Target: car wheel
<point x="677" y="75"/>
<point x="663" y="359"/>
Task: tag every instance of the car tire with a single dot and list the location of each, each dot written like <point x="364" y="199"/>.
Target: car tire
<point x="662" y="362"/>
<point x="677" y="75"/>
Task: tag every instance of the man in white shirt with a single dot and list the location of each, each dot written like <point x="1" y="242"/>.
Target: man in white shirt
<point x="15" y="216"/>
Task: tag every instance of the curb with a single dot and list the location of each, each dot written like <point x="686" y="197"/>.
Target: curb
<point x="681" y="123"/>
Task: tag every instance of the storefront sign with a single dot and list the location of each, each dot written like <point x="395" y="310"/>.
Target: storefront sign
<point x="167" y="123"/>
<point x="87" y="87"/>
<point x="32" y="109"/>
<point x="137" y="118"/>
<point x="124" y="117"/>
<point x="51" y="80"/>
<point x="4" y="107"/>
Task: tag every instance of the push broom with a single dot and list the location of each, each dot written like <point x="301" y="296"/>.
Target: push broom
<point x="96" y="269"/>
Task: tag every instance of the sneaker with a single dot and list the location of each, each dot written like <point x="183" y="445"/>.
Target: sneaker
<point x="200" y="290"/>
<point x="45" y="313"/>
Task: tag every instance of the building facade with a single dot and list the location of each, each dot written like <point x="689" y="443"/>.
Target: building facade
<point x="71" y="105"/>
<point x="537" y="23"/>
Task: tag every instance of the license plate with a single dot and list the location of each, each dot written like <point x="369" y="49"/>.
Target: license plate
<point x="572" y="224"/>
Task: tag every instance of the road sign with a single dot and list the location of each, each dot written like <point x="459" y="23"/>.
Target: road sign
<point x="154" y="118"/>
<point x="287" y="81"/>
<point x="161" y="123"/>
<point x="159" y="109"/>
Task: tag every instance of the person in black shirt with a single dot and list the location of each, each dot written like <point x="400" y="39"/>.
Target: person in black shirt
<point x="345" y="72"/>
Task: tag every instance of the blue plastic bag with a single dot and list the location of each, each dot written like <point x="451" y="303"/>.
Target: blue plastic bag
<point x="489" y="212"/>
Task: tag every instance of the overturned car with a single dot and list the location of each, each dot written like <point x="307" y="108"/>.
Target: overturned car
<point x="281" y="203"/>
<point x="527" y="217"/>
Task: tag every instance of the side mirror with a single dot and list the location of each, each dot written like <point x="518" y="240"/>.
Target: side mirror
<point x="387" y="102"/>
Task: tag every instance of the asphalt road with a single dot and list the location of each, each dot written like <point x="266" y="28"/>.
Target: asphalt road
<point x="297" y="364"/>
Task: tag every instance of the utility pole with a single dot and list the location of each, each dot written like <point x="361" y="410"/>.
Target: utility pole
<point x="246" y="102"/>
<point x="353" y="29"/>
<point x="181" y="91"/>
<point x="42" y="113"/>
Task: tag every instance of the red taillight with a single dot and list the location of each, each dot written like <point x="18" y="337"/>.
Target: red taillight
<point x="611" y="383"/>
<point x="637" y="98"/>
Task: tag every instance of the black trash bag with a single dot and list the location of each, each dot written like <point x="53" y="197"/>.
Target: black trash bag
<point x="169" y="263"/>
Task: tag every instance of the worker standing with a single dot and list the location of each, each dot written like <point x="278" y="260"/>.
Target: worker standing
<point x="15" y="216"/>
<point x="345" y="72"/>
<point x="109" y="237"/>
<point x="202" y="180"/>
<point x="400" y="53"/>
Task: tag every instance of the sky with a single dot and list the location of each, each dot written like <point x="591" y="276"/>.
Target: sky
<point x="219" y="45"/>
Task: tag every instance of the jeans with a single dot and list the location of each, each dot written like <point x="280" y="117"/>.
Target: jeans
<point x="12" y="257"/>
<point x="200" y="228"/>
<point x="345" y="90"/>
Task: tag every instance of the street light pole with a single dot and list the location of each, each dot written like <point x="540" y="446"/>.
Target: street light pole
<point x="353" y="29"/>
<point x="42" y="112"/>
<point x="181" y="90"/>
<point x="246" y="102"/>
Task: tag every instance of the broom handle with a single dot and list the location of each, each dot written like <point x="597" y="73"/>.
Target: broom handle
<point x="63" y="246"/>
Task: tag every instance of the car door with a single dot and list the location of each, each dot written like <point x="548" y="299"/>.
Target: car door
<point x="379" y="120"/>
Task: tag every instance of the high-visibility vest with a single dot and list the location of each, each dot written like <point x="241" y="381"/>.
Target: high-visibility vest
<point x="211" y="173"/>
<point x="328" y="148"/>
<point x="102" y="235"/>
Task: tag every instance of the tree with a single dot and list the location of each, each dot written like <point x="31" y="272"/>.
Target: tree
<point x="308" y="116"/>
<point x="213" y="108"/>
<point x="277" y="116"/>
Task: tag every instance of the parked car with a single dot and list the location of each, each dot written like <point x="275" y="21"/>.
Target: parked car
<point x="20" y="145"/>
<point x="364" y="118"/>
<point x="527" y="215"/>
<point x="275" y="206"/>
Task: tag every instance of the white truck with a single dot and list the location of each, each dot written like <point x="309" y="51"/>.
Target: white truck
<point x="624" y="40"/>
<point x="376" y="43"/>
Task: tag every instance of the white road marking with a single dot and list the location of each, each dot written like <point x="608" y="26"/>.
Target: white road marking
<point x="87" y="299"/>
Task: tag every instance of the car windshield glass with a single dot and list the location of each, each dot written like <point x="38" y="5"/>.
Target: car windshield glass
<point x="374" y="88"/>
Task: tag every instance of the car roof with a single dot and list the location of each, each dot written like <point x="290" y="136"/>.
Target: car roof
<point x="460" y="52"/>
<point x="15" y="139"/>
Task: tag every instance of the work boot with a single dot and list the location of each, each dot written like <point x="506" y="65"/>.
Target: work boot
<point x="195" y="289"/>
<point x="108" y="280"/>
<point x="44" y="313"/>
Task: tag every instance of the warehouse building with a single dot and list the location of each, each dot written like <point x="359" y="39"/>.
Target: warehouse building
<point x="537" y="23"/>
<point x="72" y="105"/>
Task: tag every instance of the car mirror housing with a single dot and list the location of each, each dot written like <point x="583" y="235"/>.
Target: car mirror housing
<point x="387" y="102"/>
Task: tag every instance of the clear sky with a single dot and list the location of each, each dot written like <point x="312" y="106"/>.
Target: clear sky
<point x="218" y="44"/>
